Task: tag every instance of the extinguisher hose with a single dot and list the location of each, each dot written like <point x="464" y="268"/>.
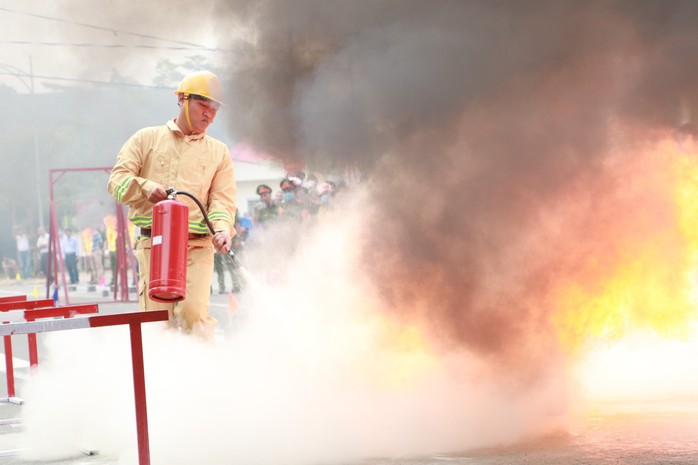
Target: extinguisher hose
<point x="171" y="193"/>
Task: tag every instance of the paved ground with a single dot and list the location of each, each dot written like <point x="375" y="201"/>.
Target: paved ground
<point x="639" y="439"/>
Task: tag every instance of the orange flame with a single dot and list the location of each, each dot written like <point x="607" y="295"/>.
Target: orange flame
<point x="648" y="277"/>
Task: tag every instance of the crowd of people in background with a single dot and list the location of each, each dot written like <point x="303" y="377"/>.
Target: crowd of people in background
<point x="297" y="203"/>
<point x="298" y="200"/>
<point x="92" y="250"/>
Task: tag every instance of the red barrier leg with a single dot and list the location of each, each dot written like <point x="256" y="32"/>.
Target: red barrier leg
<point x="139" y="391"/>
<point x="33" y="351"/>
<point x="9" y="367"/>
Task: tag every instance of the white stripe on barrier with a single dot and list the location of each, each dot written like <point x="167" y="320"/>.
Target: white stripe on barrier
<point x="44" y="326"/>
<point x="10" y="421"/>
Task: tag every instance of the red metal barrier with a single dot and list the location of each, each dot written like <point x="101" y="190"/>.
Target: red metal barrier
<point x="7" y="342"/>
<point x="9" y="365"/>
<point x="65" y="312"/>
<point x="134" y="321"/>
<point x="18" y="303"/>
<point x="26" y="304"/>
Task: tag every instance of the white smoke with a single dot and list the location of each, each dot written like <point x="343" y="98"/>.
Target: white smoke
<point x="312" y="371"/>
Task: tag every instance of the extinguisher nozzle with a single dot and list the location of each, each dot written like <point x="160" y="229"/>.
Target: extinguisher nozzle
<point x="233" y="259"/>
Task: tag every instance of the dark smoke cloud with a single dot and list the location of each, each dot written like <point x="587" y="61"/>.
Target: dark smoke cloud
<point x="484" y="130"/>
<point x="481" y="128"/>
<point x="343" y="82"/>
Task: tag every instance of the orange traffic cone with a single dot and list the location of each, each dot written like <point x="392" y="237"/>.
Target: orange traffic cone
<point x="232" y="304"/>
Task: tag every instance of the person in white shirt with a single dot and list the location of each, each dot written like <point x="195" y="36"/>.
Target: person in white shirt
<point x="42" y="245"/>
<point x="24" y="254"/>
<point x="70" y="252"/>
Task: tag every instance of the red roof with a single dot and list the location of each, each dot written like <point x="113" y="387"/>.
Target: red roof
<point x="243" y="152"/>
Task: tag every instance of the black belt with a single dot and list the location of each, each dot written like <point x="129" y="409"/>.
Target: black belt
<point x="149" y="232"/>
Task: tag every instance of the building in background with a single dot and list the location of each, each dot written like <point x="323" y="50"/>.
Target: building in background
<point x="251" y="170"/>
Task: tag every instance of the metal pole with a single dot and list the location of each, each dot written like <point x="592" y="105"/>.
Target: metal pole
<point x="9" y="367"/>
<point x="36" y="146"/>
<point x="139" y="394"/>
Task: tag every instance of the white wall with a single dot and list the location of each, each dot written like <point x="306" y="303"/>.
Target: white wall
<point x="249" y="175"/>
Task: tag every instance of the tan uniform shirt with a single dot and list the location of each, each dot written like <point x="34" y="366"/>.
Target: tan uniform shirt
<point x="198" y="164"/>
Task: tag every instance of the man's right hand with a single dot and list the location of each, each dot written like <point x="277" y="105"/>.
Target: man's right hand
<point x="157" y="193"/>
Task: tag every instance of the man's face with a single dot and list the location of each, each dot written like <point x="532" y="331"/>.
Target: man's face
<point x="201" y="114"/>
<point x="265" y="197"/>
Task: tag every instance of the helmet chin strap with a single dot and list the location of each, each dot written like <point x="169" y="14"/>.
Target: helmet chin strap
<point x="186" y="112"/>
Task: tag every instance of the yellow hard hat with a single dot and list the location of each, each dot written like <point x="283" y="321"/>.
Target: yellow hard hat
<point x="202" y="83"/>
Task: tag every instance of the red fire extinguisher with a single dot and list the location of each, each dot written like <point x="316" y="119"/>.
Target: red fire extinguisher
<point x="169" y="249"/>
<point x="168" y="253"/>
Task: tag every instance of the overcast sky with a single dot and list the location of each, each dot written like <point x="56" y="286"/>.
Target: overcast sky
<point x="64" y="40"/>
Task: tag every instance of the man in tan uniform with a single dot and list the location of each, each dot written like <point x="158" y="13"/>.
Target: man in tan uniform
<point x="181" y="156"/>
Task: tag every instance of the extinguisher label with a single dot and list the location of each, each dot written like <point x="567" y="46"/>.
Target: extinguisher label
<point x="157" y="240"/>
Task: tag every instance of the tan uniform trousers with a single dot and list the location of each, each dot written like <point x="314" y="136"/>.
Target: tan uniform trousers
<point x="190" y="314"/>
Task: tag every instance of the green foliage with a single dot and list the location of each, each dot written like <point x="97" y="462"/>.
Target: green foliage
<point x="169" y="74"/>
